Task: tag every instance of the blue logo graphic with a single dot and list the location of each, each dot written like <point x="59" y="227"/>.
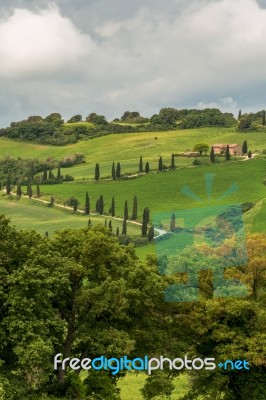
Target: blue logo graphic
<point x="206" y="238"/>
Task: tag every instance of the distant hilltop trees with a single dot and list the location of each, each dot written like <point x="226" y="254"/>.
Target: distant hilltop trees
<point x="55" y="131"/>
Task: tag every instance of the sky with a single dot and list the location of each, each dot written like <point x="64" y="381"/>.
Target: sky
<point x="83" y="56"/>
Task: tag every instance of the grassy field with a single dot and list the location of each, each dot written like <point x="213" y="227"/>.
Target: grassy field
<point x="130" y="387"/>
<point x="127" y="148"/>
<point x="163" y="191"/>
<point x="30" y="214"/>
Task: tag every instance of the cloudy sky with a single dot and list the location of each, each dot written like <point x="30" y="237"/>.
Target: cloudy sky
<point x="107" y="56"/>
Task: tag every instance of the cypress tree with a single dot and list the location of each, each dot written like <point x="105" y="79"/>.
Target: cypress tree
<point x="101" y="205"/>
<point x="147" y="167"/>
<point x="212" y="155"/>
<point x="145" y="221"/>
<point x="97" y="172"/>
<point x="110" y="226"/>
<point x="112" y="209"/>
<point x="118" y="170"/>
<point x="32" y="171"/>
<point x="249" y="154"/>
<point x="105" y="222"/>
<point x="97" y="206"/>
<point x="151" y="233"/>
<point x="160" y="164"/>
<point x="89" y="222"/>
<point x="38" y="191"/>
<point x="117" y="231"/>
<point x="44" y="174"/>
<point x="58" y="173"/>
<point x="87" y="204"/>
<point x="46" y="234"/>
<point x="29" y="189"/>
<point x="75" y="205"/>
<point x="124" y="229"/>
<point x="19" y="192"/>
<point x="8" y="185"/>
<point x="126" y="210"/>
<point x="140" y="164"/>
<point x="263" y="117"/>
<point x="173" y="161"/>
<point x="135" y="208"/>
<point x="52" y="200"/>
<point x="50" y="173"/>
<point x="239" y="114"/>
<point x="227" y="153"/>
<point x="113" y="171"/>
<point x="172" y="223"/>
<point x="244" y="147"/>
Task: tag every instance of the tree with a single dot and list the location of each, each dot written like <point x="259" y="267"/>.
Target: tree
<point x="38" y="190"/>
<point x="249" y="154"/>
<point x="135" y="208"/>
<point x="124" y="228"/>
<point x="263" y="117"/>
<point x="118" y="170"/>
<point x="110" y="226"/>
<point x="89" y="222"/>
<point x="140" y="164"/>
<point x="212" y="155"/>
<point x="52" y="201"/>
<point x="58" y="173"/>
<point x="44" y="178"/>
<point x="75" y="204"/>
<point x="160" y="164"/>
<point x="100" y="205"/>
<point x="145" y="221"/>
<point x="201" y="148"/>
<point x="151" y="233"/>
<point x="239" y="114"/>
<point x="75" y="118"/>
<point x="87" y="204"/>
<point x="112" y="209"/>
<point x="50" y="175"/>
<point x="245" y="122"/>
<point x="97" y="119"/>
<point x="172" y="223"/>
<point x="227" y="153"/>
<point x="29" y="189"/>
<point x="32" y="171"/>
<point x="61" y="291"/>
<point x="147" y="167"/>
<point x="97" y="172"/>
<point x="8" y="185"/>
<point x="117" y="231"/>
<point x="244" y="147"/>
<point x="19" y="192"/>
<point x="173" y="161"/>
<point x="126" y="210"/>
<point x="113" y="171"/>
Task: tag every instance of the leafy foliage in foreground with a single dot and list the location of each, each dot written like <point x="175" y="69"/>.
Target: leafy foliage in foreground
<point x="80" y="293"/>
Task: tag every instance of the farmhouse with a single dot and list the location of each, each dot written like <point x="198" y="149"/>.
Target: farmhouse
<point x="234" y="149"/>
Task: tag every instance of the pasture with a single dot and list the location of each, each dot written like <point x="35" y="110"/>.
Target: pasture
<point x="163" y="191"/>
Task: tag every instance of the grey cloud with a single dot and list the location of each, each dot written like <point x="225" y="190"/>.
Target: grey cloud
<point x="144" y="56"/>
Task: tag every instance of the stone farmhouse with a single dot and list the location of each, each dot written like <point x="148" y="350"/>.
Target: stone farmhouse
<point x="234" y="149"/>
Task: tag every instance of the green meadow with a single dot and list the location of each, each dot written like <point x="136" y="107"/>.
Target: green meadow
<point x="31" y="214"/>
<point x="127" y="148"/>
<point x="163" y="191"/>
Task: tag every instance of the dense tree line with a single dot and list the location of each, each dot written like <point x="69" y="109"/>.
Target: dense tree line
<point x="53" y="130"/>
<point x="82" y="294"/>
